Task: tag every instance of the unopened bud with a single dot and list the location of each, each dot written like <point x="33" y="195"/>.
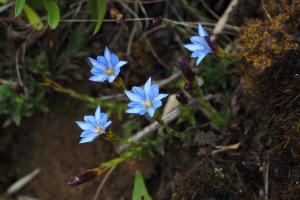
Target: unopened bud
<point x="211" y="44"/>
<point x="77" y="180"/>
<point x="188" y="86"/>
<point x="180" y="96"/>
<point x="186" y="70"/>
<point x="156" y="21"/>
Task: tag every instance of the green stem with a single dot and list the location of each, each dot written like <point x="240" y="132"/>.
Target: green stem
<point x="207" y="108"/>
<point x="117" y="139"/>
<point x="119" y="83"/>
<point x="168" y="129"/>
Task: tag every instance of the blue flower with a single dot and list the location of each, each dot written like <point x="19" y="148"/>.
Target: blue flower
<point x="106" y="67"/>
<point x="199" y="46"/>
<point x="146" y="99"/>
<point x="93" y="126"/>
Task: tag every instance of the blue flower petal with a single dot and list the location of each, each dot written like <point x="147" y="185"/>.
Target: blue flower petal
<point x="195" y="47"/>
<point x="157" y="104"/>
<point x="160" y="97"/>
<point x="107" y="54"/>
<point x="196" y="54"/>
<point x="136" y="110"/>
<point x="102" y="60"/>
<point x="111" y="78"/>
<point x="200" y="58"/>
<point x="98" y="78"/>
<point x="86" y="133"/>
<point x="121" y="64"/>
<point x="90" y="118"/>
<point x="89" y="138"/>
<point x="85" y="125"/>
<point x="97" y="70"/>
<point x="133" y="97"/>
<point x="134" y="104"/>
<point x="116" y="71"/>
<point x="114" y="59"/>
<point x="202" y="32"/>
<point x="98" y="114"/>
<point x="95" y="63"/>
<point x="197" y="40"/>
<point x="139" y="91"/>
<point x="154" y="91"/>
<point x="103" y="119"/>
<point x="107" y="124"/>
<point x="151" y="112"/>
<point x="147" y="87"/>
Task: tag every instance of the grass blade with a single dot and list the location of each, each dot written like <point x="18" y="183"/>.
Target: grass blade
<point x="19" y="5"/>
<point x="140" y="190"/>
<point x="53" y="13"/>
<point x="33" y="17"/>
<point x="101" y="10"/>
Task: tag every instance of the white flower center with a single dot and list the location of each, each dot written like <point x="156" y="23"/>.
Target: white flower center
<point x="148" y="104"/>
<point x="110" y="71"/>
<point x="98" y="130"/>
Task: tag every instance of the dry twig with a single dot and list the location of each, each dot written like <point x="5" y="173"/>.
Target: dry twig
<point x="223" y="20"/>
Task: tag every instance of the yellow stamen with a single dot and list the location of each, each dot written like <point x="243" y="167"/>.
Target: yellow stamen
<point x="148" y="103"/>
<point x="110" y="71"/>
<point x="98" y="130"/>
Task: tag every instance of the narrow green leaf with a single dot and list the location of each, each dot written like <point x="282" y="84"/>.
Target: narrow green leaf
<point x="33" y="17"/>
<point x="101" y="10"/>
<point x="140" y="191"/>
<point x="19" y="4"/>
<point x="53" y="13"/>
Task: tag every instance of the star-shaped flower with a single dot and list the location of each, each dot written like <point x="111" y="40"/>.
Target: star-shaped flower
<point x="106" y="67"/>
<point x="93" y="126"/>
<point x="146" y="99"/>
<point x="200" y="46"/>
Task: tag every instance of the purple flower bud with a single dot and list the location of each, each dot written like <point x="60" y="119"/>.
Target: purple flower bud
<point x="211" y="44"/>
<point x="186" y="70"/>
<point x="188" y="86"/>
<point x="77" y="180"/>
<point x="180" y="96"/>
<point x="156" y="21"/>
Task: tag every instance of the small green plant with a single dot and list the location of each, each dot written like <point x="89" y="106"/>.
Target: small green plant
<point x="53" y="11"/>
<point x="140" y="191"/>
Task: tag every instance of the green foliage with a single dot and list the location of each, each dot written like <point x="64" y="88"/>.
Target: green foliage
<point x="19" y="4"/>
<point x="129" y="128"/>
<point x="38" y="65"/>
<point x="221" y="119"/>
<point x="18" y="105"/>
<point x="53" y="13"/>
<point x="17" y="102"/>
<point x="101" y="10"/>
<point x="3" y="1"/>
<point x="216" y="73"/>
<point x="33" y="17"/>
<point x="140" y="191"/>
<point x="187" y="116"/>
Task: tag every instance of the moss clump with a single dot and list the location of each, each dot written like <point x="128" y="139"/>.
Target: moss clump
<point x="208" y="181"/>
<point x="271" y="75"/>
<point x="263" y="42"/>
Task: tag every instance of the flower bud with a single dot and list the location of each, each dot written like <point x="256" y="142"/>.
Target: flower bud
<point x="77" y="180"/>
<point x="180" y="96"/>
<point x="211" y="44"/>
<point x="188" y="87"/>
<point x="186" y="70"/>
<point x="156" y="21"/>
